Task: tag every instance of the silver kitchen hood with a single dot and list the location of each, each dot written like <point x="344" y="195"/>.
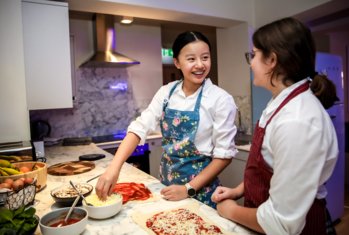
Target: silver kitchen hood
<point x="105" y="55"/>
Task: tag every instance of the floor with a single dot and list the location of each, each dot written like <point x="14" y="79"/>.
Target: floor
<point x="342" y="228"/>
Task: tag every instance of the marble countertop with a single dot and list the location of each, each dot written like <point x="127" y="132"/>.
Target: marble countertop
<point x="121" y="223"/>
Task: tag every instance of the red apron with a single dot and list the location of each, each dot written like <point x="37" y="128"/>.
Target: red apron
<point x="258" y="174"/>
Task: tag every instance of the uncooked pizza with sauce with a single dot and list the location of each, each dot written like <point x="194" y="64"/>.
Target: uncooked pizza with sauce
<point x="184" y="220"/>
<point x="132" y="191"/>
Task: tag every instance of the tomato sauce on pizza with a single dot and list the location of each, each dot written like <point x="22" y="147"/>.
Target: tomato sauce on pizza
<point x="180" y="222"/>
<point x="132" y="191"/>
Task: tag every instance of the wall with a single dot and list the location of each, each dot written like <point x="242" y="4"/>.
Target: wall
<point x="98" y="109"/>
<point x="219" y="13"/>
<point x="269" y="10"/>
<point x="223" y="13"/>
<point x="233" y="71"/>
<point x="14" y="120"/>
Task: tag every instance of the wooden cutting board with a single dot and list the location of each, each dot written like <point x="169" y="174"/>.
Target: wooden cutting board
<point x="70" y="168"/>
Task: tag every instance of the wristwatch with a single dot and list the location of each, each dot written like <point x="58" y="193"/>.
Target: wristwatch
<point x="190" y="190"/>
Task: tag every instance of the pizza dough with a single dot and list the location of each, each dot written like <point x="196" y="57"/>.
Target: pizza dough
<point x="183" y="220"/>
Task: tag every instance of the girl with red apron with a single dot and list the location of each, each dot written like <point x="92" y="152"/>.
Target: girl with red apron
<point x="258" y="175"/>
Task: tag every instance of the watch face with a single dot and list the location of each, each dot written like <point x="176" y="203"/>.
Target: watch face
<point x="191" y="192"/>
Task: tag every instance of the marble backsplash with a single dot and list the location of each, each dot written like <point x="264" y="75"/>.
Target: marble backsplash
<point x="104" y="104"/>
<point x="244" y="106"/>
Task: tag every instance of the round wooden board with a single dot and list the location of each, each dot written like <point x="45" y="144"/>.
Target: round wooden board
<point x="70" y="168"/>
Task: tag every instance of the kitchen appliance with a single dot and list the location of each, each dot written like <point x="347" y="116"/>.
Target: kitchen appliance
<point x="39" y="130"/>
<point x="23" y="150"/>
<point x="110" y="143"/>
<point x="105" y="55"/>
<point x="331" y="65"/>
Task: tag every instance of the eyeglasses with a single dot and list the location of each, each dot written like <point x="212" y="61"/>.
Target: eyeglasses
<point x="249" y="56"/>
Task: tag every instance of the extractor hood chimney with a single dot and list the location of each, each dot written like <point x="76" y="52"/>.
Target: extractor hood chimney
<point x="105" y="55"/>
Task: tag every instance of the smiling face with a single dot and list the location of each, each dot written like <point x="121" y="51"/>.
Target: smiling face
<point x="194" y="60"/>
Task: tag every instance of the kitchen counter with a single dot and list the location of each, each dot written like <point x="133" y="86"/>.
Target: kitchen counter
<point x="121" y="222"/>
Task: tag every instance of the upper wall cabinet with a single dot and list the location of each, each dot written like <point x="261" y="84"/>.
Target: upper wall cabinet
<point x="47" y="54"/>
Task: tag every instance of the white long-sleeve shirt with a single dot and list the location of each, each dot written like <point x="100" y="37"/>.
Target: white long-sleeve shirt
<point x="216" y="131"/>
<point x="300" y="145"/>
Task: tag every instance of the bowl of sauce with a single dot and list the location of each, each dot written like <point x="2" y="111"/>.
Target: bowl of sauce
<point x="52" y="223"/>
<point x="61" y="222"/>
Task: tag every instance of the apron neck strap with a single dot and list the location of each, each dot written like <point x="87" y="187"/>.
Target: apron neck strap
<point x="293" y="94"/>
<point x="198" y="101"/>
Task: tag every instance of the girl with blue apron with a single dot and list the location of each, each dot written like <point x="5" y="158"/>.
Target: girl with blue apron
<point x="181" y="161"/>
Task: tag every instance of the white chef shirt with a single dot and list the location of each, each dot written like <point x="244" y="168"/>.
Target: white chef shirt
<point x="300" y="145"/>
<point x="216" y="131"/>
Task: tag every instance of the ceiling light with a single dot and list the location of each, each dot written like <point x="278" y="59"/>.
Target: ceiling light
<point x="127" y="20"/>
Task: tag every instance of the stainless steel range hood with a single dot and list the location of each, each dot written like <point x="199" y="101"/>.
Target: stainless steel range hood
<point x="105" y="55"/>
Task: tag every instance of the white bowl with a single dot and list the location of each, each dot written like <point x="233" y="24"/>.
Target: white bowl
<point x="100" y="211"/>
<point x="58" y="215"/>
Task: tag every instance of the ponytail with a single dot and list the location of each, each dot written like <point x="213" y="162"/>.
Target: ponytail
<point x="324" y="89"/>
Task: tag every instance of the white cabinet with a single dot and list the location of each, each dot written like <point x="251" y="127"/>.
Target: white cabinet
<point x="14" y="124"/>
<point x="47" y="54"/>
<point x="155" y="156"/>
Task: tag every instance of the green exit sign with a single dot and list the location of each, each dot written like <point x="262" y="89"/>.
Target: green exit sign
<point x="167" y="52"/>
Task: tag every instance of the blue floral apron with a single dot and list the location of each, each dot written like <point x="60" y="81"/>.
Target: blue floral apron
<point x="181" y="161"/>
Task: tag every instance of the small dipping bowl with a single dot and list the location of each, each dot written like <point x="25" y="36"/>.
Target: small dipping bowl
<point x="48" y="221"/>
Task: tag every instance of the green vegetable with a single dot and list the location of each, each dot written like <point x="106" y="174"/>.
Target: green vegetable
<point x="19" y="222"/>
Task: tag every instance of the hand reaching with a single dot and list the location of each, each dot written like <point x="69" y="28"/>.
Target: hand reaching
<point x="105" y="183"/>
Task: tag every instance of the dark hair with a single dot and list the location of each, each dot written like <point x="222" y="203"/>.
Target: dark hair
<point x="294" y="46"/>
<point x="187" y="37"/>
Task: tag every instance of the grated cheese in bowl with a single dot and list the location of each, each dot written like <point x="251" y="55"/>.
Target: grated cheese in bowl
<point x="103" y="209"/>
<point x="95" y="201"/>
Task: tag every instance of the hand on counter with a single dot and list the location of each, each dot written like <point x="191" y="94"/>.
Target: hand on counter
<point x="174" y="192"/>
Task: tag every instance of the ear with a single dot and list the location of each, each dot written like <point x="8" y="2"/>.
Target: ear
<point x="272" y="60"/>
<point x="176" y="63"/>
